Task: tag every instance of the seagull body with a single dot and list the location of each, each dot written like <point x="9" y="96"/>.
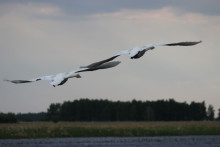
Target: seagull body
<point x="139" y="51"/>
<point x="54" y="80"/>
<point x="61" y="78"/>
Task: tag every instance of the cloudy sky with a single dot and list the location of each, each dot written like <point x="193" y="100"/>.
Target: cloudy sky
<point x="40" y="38"/>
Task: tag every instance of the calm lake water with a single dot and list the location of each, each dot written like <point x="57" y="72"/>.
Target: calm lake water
<point x="173" y="141"/>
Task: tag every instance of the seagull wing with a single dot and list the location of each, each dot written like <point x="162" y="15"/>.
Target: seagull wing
<point x="107" y="65"/>
<point x="172" y="44"/>
<point x="183" y="43"/>
<point x="96" y="64"/>
<point x="46" y="78"/>
<point x="73" y="73"/>
<point x="102" y="66"/>
<point x="93" y="68"/>
<point x="124" y="52"/>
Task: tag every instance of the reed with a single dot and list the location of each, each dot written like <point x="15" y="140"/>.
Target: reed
<point x="106" y="129"/>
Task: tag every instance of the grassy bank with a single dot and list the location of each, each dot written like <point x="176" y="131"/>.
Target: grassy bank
<point x="104" y="129"/>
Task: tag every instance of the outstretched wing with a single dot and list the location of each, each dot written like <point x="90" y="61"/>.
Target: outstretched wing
<point x="183" y="43"/>
<point x="102" y="66"/>
<point x="93" y="68"/>
<point x="47" y="78"/>
<point x="174" y="44"/>
<point x="96" y="64"/>
<point x="125" y="52"/>
<point x="73" y="73"/>
<point x="19" y="81"/>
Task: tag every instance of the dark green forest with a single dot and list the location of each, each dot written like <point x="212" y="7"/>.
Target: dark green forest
<point x="105" y="110"/>
<point x="41" y="116"/>
<point x="8" y="118"/>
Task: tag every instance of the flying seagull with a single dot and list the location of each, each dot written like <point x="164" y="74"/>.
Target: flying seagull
<point x="61" y="78"/>
<point x="139" y="51"/>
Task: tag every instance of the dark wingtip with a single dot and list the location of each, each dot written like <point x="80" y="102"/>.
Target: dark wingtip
<point x="184" y="43"/>
<point x="38" y="79"/>
<point x="198" y="42"/>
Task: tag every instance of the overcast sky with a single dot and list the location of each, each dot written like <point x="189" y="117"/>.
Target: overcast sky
<point x="40" y="38"/>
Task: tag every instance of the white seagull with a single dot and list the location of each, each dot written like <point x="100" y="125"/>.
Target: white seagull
<point x="139" y="51"/>
<point x="61" y="78"/>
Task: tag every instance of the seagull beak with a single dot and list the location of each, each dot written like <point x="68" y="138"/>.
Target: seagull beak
<point x="78" y="76"/>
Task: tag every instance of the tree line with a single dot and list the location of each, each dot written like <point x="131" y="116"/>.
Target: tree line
<point x="106" y="110"/>
<point x="41" y="116"/>
<point x="8" y="118"/>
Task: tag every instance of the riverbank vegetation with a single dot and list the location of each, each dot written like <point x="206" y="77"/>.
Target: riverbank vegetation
<point x="107" y="129"/>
